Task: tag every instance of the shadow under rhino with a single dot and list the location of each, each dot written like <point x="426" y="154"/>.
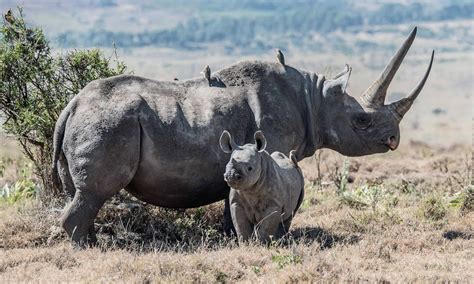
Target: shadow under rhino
<point x="326" y="239"/>
<point x="127" y="223"/>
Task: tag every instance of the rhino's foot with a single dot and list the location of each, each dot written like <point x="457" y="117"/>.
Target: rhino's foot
<point x="84" y="243"/>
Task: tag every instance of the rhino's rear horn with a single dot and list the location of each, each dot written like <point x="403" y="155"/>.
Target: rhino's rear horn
<point x="376" y="93"/>
<point x="402" y="106"/>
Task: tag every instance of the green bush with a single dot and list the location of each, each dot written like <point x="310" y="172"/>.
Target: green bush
<point x="23" y="188"/>
<point x="35" y="86"/>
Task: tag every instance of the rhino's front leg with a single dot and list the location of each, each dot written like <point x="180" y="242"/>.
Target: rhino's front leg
<point x="243" y="227"/>
<point x="229" y="228"/>
<point x="267" y="229"/>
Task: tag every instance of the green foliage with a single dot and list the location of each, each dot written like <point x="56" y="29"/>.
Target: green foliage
<point x="463" y="200"/>
<point x="283" y="260"/>
<point x="342" y="179"/>
<point x="23" y="188"/>
<point x="371" y="195"/>
<point x="256" y="269"/>
<point x="35" y="86"/>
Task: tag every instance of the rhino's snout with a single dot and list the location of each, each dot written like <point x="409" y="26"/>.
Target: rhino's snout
<point x="232" y="176"/>
<point x="391" y="142"/>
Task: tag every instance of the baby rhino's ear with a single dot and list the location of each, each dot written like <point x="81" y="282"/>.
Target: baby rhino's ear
<point x="226" y="142"/>
<point x="260" y="141"/>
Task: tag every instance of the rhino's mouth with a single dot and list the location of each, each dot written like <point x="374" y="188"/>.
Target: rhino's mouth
<point x="391" y="143"/>
<point x="233" y="180"/>
<point x="388" y="147"/>
<point x="231" y="183"/>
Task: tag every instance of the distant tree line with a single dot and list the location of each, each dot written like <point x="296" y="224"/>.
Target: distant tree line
<point x="258" y="21"/>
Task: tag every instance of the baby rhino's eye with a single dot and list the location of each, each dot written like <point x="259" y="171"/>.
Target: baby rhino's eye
<point x="249" y="169"/>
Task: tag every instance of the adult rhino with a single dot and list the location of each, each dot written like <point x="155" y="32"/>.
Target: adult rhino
<point x="159" y="140"/>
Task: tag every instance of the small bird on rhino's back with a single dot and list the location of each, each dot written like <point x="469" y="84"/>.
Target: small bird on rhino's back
<point x="280" y="57"/>
<point x="207" y="74"/>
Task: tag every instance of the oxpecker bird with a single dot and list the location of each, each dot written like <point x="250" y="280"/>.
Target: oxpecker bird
<point x="207" y="74"/>
<point x="9" y="17"/>
<point x="280" y="57"/>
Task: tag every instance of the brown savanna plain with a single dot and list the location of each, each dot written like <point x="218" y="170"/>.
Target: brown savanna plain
<point x="401" y="216"/>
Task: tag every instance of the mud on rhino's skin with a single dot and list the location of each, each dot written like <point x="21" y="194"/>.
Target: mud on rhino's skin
<point x="158" y="140"/>
<point x="265" y="190"/>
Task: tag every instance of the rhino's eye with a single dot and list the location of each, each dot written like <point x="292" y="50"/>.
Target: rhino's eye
<point x="362" y="121"/>
<point x="249" y="169"/>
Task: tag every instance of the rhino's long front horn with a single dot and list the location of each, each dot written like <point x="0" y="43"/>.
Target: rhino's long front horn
<point x="375" y="94"/>
<point x="402" y="106"/>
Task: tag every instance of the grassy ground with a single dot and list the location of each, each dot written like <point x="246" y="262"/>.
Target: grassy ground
<point x="401" y="216"/>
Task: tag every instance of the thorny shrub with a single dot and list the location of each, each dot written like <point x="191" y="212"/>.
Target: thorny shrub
<point x="35" y="86"/>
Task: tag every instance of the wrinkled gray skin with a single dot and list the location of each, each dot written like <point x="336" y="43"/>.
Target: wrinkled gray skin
<point x="265" y="190"/>
<point x="158" y="140"/>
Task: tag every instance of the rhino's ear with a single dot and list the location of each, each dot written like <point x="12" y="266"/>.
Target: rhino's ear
<point x="260" y="141"/>
<point x="226" y="142"/>
<point x="339" y="83"/>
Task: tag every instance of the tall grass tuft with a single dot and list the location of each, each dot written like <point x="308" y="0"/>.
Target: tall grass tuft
<point x="433" y="209"/>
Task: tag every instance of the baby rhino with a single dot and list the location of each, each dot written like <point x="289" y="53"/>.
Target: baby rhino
<point x="266" y="190"/>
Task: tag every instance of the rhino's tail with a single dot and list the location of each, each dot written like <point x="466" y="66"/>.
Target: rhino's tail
<point x="58" y="145"/>
<point x="293" y="158"/>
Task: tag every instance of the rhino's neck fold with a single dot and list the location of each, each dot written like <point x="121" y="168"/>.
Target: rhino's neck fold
<point x="328" y="136"/>
<point x="313" y="99"/>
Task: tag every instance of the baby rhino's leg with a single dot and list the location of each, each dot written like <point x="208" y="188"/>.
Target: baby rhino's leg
<point x="267" y="228"/>
<point x="284" y="227"/>
<point x="243" y="227"/>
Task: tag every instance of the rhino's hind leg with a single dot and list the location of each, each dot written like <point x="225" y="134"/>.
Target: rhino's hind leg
<point x="78" y="217"/>
<point x="100" y="163"/>
<point x="92" y="190"/>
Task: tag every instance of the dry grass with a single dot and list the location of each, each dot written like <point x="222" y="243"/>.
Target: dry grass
<point x="409" y="230"/>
